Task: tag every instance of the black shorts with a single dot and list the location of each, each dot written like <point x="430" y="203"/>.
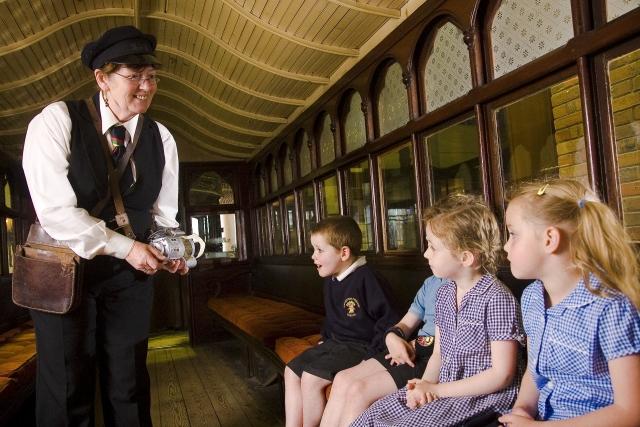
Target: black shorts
<point x="327" y="359"/>
<point x="403" y="373"/>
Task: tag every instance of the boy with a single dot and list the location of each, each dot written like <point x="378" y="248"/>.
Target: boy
<point x="357" y="310"/>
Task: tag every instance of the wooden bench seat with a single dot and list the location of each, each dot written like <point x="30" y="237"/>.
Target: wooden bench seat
<point x="17" y="369"/>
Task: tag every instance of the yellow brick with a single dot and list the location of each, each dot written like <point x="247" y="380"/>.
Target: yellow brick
<point x="636" y="83"/>
<point x="569" y="133"/>
<point x="631" y="204"/>
<point x="634" y="233"/>
<point x="628" y="189"/>
<point x="632" y="219"/>
<point x="574" y="171"/>
<point x="627" y="101"/>
<point x="572" y="159"/>
<point x="629" y="173"/>
<point x="629" y="159"/>
<point x="564" y="85"/>
<point x="623" y="117"/>
<point x="570" y="146"/>
<point x="628" y="145"/>
<point x="565" y="95"/>
<point x="568" y="120"/>
<point x="622" y="88"/>
<point x="625" y="72"/>
<point x="625" y="59"/>
<point x="636" y="112"/>
<point x="626" y="131"/>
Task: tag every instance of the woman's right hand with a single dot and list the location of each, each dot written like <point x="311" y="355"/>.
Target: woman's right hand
<point x="145" y="258"/>
<point x="400" y="351"/>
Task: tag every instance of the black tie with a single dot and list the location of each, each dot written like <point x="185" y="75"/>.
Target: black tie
<point x="118" y="134"/>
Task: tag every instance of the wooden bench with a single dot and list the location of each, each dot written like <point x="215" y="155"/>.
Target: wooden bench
<point x="17" y="369"/>
<point x="276" y="330"/>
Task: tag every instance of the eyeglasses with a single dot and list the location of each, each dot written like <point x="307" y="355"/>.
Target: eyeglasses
<point x="139" y="79"/>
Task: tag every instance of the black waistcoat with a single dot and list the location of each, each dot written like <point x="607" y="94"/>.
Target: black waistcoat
<point x="88" y="170"/>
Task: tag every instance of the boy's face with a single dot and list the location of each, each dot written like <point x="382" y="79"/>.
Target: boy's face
<point x="328" y="260"/>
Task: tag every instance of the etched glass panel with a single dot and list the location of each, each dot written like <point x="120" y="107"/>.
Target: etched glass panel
<point x="393" y="104"/>
<point x="448" y="70"/>
<point x="305" y="155"/>
<point x="291" y="217"/>
<point x="11" y="243"/>
<point x="211" y="188"/>
<point x="354" y="126"/>
<point x="542" y="135"/>
<point x="327" y="146"/>
<point x="329" y="196"/>
<point x="624" y="88"/>
<point x="287" y="167"/>
<point x="273" y="176"/>
<point x="616" y="8"/>
<point x="262" y="188"/>
<point x="7" y="192"/>
<point x="218" y="232"/>
<point x="309" y="214"/>
<point x="525" y="30"/>
<point x="359" y="201"/>
<point x="397" y="175"/>
<point x="276" y="222"/>
<point x="454" y="159"/>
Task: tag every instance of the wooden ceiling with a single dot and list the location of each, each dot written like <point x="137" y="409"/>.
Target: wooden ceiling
<point x="234" y="74"/>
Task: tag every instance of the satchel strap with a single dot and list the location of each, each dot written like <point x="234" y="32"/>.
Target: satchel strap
<point x="122" y="219"/>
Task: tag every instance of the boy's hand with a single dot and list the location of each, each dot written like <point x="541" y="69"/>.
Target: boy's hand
<point x="420" y="392"/>
<point x="400" y="351"/>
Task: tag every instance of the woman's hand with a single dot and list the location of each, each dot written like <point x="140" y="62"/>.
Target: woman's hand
<point x="420" y="392"/>
<point x="145" y="258"/>
<point x="400" y="351"/>
<point x="176" y="266"/>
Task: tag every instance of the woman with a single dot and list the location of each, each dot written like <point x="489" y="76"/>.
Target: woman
<point x="66" y="170"/>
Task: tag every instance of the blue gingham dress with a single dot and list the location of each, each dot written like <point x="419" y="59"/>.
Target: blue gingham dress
<point x="571" y="344"/>
<point x="488" y="312"/>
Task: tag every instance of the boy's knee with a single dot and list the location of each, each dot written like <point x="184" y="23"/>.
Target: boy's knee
<point x="312" y="383"/>
<point x="290" y="376"/>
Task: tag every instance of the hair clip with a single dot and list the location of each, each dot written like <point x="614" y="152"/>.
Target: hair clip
<point x="542" y="189"/>
<point x="581" y="203"/>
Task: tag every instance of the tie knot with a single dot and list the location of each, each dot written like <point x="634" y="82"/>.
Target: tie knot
<point x="117" y="135"/>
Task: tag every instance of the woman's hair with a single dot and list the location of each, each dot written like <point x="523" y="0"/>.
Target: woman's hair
<point x="465" y="223"/>
<point x="340" y="231"/>
<point x="599" y="243"/>
<point x="110" y="67"/>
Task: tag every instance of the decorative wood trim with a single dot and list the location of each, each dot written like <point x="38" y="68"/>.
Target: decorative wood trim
<point x="367" y="8"/>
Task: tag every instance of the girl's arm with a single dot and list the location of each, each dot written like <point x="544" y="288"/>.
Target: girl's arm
<point x="526" y="405"/>
<point x="504" y="355"/>
<point x="400" y="351"/>
<point x="419" y="391"/>
<point x="432" y="371"/>
<point x="625" y="379"/>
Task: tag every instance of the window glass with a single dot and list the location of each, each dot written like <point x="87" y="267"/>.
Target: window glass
<point x="329" y="196"/>
<point x="448" y="70"/>
<point x="397" y="175"/>
<point x="542" y="135"/>
<point x="273" y="176"/>
<point x="263" y="225"/>
<point x="291" y="217"/>
<point x="11" y="243"/>
<point x="305" y="155"/>
<point x="354" y="126"/>
<point x="616" y="8"/>
<point x="327" y="146"/>
<point x="218" y="230"/>
<point x="624" y="83"/>
<point x="393" y="105"/>
<point x="211" y="188"/>
<point x="454" y="159"/>
<point x="7" y="192"/>
<point x="287" y="168"/>
<point x="359" y="201"/>
<point x="309" y="213"/>
<point x="276" y="222"/>
<point x="523" y="30"/>
<point x="262" y="188"/>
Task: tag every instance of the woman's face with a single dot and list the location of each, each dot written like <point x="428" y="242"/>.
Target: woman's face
<point x="128" y="91"/>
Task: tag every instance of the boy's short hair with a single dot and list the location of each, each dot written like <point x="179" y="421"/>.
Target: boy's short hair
<point x="340" y="231"/>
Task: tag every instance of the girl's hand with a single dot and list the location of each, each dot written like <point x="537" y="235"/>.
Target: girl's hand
<point x="400" y="351"/>
<point x="419" y="393"/>
<point x="517" y="418"/>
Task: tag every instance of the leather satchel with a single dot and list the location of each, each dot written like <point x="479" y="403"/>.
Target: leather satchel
<point x="47" y="275"/>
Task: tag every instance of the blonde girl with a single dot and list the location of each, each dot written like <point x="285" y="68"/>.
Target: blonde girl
<point x="473" y="368"/>
<point x="581" y="314"/>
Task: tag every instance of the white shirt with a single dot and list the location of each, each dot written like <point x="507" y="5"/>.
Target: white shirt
<point x="357" y="263"/>
<point x="45" y="162"/>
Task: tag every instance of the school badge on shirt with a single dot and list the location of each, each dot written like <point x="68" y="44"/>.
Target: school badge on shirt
<point x="351" y="305"/>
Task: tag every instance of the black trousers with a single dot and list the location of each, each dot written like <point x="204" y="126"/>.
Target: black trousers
<point x="107" y="334"/>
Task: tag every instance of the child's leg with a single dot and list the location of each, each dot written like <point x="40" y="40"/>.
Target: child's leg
<point x="334" y="413"/>
<point x="313" y="398"/>
<point x="292" y="399"/>
<point x="363" y="392"/>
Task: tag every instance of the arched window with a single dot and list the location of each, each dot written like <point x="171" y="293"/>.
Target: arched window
<point x="392" y="105"/>
<point x="355" y="134"/>
<point x="523" y="30"/>
<point x="447" y="74"/>
<point x="304" y="152"/>
<point x="285" y="161"/>
<point x="6" y="190"/>
<point x="211" y="188"/>
<point x="259" y="176"/>
<point x="273" y="173"/>
<point x="325" y="140"/>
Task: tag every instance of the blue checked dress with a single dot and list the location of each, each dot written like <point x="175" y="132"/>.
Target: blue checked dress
<point x="488" y="312"/>
<point x="571" y="343"/>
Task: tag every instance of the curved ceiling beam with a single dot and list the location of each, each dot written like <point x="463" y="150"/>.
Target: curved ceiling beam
<point x="367" y="8"/>
<point x="215" y="120"/>
<point x="200" y="128"/>
<point x="42" y="104"/>
<point x="42" y="74"/>
<point x="13" y="132"/>
<point x="246" y="58"/>
<point x="334" y="50"/>
<point x="70" y="20"/>
<point x="136" y="13"/>
<point x="222" y="78"/>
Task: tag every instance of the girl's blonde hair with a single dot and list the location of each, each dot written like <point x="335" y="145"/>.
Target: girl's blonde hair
<point x="465" y="223"/>
<point x="599" y="243"/>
